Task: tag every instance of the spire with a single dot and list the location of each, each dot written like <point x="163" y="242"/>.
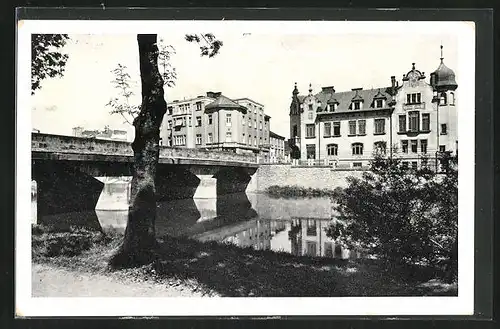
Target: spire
<point x="441" y="52"/>
<point x="295" y="90"/>
<point x="413" y="66"/>
<point x="310" y="89"/>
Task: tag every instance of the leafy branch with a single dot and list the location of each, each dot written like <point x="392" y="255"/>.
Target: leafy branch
<point x="209" y="45"/>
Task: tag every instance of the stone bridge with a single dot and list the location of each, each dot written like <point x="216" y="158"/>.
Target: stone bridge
<point x="65" y="169"/>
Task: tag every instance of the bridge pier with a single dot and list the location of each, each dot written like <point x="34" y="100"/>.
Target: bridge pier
<point x="62" y="188"/>
<point x="207" y="188"/>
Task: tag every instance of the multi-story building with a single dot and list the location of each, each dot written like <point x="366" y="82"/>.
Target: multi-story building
<point x="107" y="133"/>
<point x="276" y="148"/>
<point x="216" y="122"/>
<point x="415" y="121"/>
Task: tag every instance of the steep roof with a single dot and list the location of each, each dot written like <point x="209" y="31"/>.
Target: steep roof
<point x="345" y="98"/>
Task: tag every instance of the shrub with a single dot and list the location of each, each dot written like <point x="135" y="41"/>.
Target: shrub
<point x="399" y="214"/>
<point x="50" y="242"/>
<point x="296" y="191"/>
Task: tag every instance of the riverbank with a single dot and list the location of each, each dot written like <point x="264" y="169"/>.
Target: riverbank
<point x="294" y="191"/>
<point x="214" y="269"/>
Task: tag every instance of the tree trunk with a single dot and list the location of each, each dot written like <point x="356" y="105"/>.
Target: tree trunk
<point x="139" y="242"/>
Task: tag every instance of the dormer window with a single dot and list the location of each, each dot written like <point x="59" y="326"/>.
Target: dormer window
<point x="332" y="107"/>
<point x="379" y="103"/>
<point x="356" y="105"/>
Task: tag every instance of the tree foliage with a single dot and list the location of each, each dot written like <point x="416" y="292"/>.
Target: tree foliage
<point x="209" y="44"/>
<point x="401" y="214"/>
<point x="124" y="84"/>
<point x="47" y="61"/>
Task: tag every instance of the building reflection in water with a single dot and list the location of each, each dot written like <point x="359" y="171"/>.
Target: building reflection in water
<point x="295" y="226"/>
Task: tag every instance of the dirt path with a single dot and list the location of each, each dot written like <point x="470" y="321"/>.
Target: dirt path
<point x="48" y="281"/>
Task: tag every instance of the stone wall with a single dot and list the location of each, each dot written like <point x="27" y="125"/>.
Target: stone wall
<point x="307" y="177"/>
<point x="70" y="144"/>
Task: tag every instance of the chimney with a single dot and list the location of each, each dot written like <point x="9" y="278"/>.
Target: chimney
<point x="393" y="81"/>
<point x="212" y="94"/>
<point x="356" y="89"/>
<point x="330" y="89"/>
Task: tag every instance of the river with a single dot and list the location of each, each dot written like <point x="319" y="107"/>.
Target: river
<point x="295" y="226"/>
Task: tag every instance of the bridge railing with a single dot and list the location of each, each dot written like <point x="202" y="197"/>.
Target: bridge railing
<point x="70" y="144"/>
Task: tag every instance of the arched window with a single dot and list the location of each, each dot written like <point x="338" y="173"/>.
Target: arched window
<point x="443" y="99"/>
<point x="452" y="98"/>
<point x="332" y="149"/>
<point x="294" y="130"/>
<point x="380" y="147"/>
<point x="357" y="149"/>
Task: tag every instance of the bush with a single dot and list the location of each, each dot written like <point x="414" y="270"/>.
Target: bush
<point x="296" y="191"/>
<point x="49" y="242"/>
<point x="402" y="215"/>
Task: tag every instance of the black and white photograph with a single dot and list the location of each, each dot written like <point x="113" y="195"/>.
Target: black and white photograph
<point x="216" y="165"/>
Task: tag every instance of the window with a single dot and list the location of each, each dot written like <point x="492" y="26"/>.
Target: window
<point x="362" y="127"/>
<point x="332" y="149"/>
<point x="357" y="149"/>
<point x="183" y="121"/>
<point x="189" y="121"/>
<point x="243" y="121"/>
<point x="209" y="119"/>
<point x="210" y="138"/>
<point x="414" y="165"/>
<point x="414" y="146"/>
<point x="442" y="148"/>
<point x="310" y="131"/>
<point x="405" y="164"/>
<point x="379" y="103"/>
<point x="356" y="105"/>
<point x="243" y="139"/>
<point x="328" y="249"/>
<point x="180" y="140"/>
<point x="255" y="141"/>
<point x="260" y="125"/>
<point x="404" y="146"/>
<point x="327" y="129"/>
<point x="414" y="121"/>
<point x="310" y="107"/>
<point x="294" y="130"/>
<point x="352" y="128"/>
<point x="311" y="248"/>
<point x="332" y="107"/>
<point x="198" y="106"/>
<point x="423" y="162"/>
<point x="443" y="99"/>
<point x="452" y="98"/>
<point x="380" y="147"/>
<point x="170" y="110"/>
<point x="255" y="123"/>
<point x="379" y="126"/>
<point x="198" y="139"/>
<point x="249" y="140"/>
<point x="228" y="119"/>
<point x="414" y="98"/>
<point x="311" y="151"/>
<point x="311" y="227"/>
<point x="198" y="121"/>
<point x="310" y="115"/>
<point x="444" y="129"/>
<point x="357" y="164"/>
<point x="336" y="128"/>
<point x="249" y="123"/>
<point x="426" y="122"/>
<point x="402" y="123"/>
<point x="229" y="137"/>
<point x="169" y="124"/>
<point x="423" y="146"/>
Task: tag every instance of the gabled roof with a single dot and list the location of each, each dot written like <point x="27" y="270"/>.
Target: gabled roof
<point x="225" y="103"/>
<point x="345" y="98"/>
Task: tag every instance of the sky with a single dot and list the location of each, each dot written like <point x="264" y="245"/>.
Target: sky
<point x="255" y="64"/>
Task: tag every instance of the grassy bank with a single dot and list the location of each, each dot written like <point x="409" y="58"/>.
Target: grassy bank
<point x="226" y="270"/>
<point x="293" y="191"/>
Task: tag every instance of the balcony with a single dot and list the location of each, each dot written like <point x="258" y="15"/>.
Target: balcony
<point x="414" y="106"/>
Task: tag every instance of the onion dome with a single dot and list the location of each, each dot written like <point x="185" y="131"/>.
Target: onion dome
<point x="443" y="78"/>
